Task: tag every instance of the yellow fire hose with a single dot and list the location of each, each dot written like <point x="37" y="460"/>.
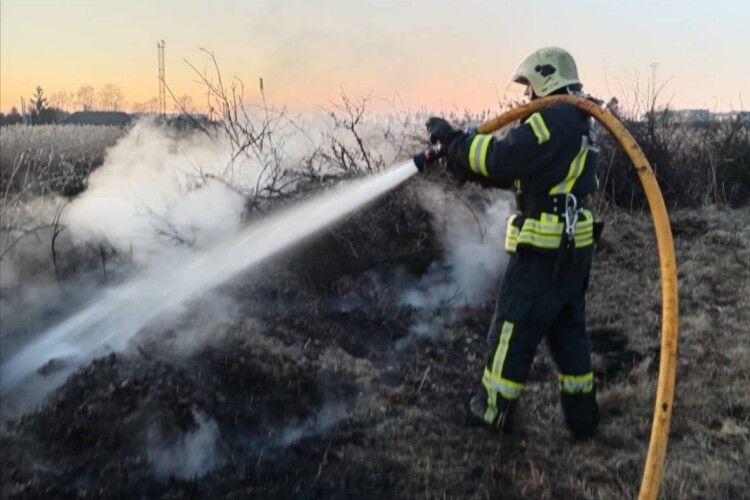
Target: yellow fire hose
<point x="657" y="449"/>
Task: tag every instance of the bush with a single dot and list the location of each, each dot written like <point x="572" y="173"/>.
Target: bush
<point x="696" y="163"/>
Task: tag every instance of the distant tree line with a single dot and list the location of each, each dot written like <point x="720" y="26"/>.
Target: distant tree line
<point x="11" y="118"/>
<point x="41" y="109"/>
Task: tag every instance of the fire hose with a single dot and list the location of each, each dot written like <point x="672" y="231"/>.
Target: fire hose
<point x="653" y="470"/>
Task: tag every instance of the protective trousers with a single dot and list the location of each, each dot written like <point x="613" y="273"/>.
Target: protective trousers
<point x="534" y="303"/>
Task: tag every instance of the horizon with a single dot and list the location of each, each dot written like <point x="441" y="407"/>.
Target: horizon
<point x="688" y="48"/>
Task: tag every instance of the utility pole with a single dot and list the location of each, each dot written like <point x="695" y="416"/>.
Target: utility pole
<point x="162" y="83"/>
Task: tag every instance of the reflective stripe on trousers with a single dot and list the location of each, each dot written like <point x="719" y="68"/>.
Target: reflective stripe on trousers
<point x="493" y="380"/>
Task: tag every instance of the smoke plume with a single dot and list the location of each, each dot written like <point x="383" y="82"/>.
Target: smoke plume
<point x="188" y="455"/>
<point x="156" y="189"/>
<point x="474" y="259"/>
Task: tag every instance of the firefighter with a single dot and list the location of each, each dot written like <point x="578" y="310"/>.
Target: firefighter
<point x="549" y="160"/>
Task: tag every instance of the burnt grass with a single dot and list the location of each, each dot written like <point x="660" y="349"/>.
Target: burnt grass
<point x="319" y="389"/>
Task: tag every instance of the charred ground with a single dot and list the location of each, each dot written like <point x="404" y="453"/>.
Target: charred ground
<point x="321" y="389"/>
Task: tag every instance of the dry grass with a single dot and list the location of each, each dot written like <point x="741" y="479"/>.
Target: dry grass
<point x="48" y="159"/>
<point x="402" y="429"/>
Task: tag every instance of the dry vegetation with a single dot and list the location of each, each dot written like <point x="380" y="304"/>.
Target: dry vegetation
<point x="319" y="389"/>
<point x="696" y="163"/>
<point x="51" y="159"/>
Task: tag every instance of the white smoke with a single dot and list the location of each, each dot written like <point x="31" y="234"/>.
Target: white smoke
<point x="327" y="417"/>
<point x="177" y="199"/>
<point x="22" y="254"/>
<point x="155" y="190"/>
<point x="119" y="314"/>
<point x="474" y="250"/>
<point x="474" y="261"/>
<point x="189" y="455"/>
<point x="202" y="323"/>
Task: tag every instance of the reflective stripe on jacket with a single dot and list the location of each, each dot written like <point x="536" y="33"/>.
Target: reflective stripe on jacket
<point x="549" y="153"/>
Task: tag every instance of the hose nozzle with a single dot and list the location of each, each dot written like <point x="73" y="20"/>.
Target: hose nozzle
<point x="429" y="156"/>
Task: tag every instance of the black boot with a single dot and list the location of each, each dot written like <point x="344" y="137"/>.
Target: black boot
<point x="503" y="421"/>
<point x="581" y="413"/>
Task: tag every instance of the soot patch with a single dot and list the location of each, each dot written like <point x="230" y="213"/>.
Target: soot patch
<point x="545" y="69"/>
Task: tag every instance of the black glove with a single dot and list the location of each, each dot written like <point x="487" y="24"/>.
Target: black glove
<point x="441" y="131"/>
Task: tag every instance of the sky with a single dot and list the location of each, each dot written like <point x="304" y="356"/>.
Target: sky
<point x="437" y="55"/>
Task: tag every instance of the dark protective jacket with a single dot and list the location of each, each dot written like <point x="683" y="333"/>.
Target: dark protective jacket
<point x="552" y="153"/>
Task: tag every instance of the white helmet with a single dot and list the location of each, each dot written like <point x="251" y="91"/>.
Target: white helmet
<point x="547" y="70"/>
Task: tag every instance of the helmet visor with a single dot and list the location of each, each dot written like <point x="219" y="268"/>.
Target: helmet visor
<point x="516" y="92"/>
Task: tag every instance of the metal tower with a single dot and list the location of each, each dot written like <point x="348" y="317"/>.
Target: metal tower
<point x="162" y="84"/>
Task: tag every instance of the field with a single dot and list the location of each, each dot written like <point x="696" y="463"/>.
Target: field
<point x="53" y="157"/>
<point x="319" y="379"/>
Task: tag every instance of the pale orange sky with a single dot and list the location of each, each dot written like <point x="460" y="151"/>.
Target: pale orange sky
<point x="438" y="54"/>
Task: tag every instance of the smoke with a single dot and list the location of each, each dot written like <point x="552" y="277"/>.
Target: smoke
<point x="156" y="189"/>
<point x="159" y="189"/>
<point x="474" y="245"/>
<point x="205" y="322"/>
<point x="474" y="260"/>
<point x="188" y="455"/>
<point x="22" y="253"/>
<point x="159" y="197"/>
<point x="328" y="416"/>
<point x="109" y="324"/>
<point x="175" y="202"/>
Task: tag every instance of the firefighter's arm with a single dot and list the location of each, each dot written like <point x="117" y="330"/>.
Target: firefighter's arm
<point x="518" y="155"/>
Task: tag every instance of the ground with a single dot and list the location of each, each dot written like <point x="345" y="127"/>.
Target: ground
<point x="318" y="390"/>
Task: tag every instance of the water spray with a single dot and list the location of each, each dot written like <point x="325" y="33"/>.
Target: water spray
<point x="110" y="322"/>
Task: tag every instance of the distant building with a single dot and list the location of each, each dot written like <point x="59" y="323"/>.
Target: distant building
<point x="113" y="118"/>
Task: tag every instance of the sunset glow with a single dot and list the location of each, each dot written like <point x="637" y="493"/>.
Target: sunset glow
<point x="440" y="55"/>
